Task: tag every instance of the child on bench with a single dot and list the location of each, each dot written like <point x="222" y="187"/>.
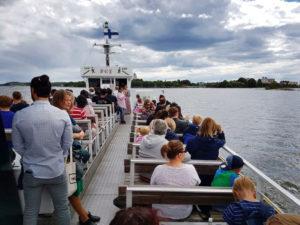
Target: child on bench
<point x="247" y="210"/>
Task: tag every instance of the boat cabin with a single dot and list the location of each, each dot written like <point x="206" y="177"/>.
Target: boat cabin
<point x="107" y="77"/>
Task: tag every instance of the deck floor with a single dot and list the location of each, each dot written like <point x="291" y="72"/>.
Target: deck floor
<point x="103" y="188"/>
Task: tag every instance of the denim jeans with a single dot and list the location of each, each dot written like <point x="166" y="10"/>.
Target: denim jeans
<point x="57" y="188"/>
<point x="121" y="111"/>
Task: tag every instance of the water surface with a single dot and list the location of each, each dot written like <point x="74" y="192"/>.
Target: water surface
<point x="263" y="126"/>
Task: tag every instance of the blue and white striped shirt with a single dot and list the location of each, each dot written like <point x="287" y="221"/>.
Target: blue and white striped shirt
<point x="236" y="213"/>
<point x="42" y="135"/>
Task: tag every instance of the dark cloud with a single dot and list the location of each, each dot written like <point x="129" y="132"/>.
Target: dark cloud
<point x="7" y="2"/>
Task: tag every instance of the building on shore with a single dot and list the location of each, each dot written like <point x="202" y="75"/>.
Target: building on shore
<point x="266" y="80"/>
<point x="286" y="82"/>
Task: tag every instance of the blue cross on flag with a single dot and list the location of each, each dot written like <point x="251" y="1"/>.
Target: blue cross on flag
<point x="109" y="33"/>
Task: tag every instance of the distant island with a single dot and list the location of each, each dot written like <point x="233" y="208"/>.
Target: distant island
<point x="242" y="82"/>
<point x="54" y="84"/>
<point x="264" y="82"/>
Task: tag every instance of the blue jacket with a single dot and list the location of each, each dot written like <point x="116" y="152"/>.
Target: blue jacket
<point x="170" y="135"/>
<point x="191" y="129"/>
<point x="205" y="148"/>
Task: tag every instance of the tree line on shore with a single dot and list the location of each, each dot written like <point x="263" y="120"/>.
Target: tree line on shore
<point x="239" y="83"/>
<point x="140" y="83"/>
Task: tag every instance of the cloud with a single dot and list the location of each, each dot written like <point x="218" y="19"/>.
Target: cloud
<point x="214" y="40"/>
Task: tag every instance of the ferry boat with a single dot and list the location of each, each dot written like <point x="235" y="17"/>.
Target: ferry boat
<point x="114" y="168"/>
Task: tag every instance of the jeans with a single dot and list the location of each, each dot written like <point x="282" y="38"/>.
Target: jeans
<point x="121" y="111"/>
<point x="57" y="188"/>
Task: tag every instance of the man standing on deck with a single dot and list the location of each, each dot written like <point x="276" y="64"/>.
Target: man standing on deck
<point x="42" y="135"/>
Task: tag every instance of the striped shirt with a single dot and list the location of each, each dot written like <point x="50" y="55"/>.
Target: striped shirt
<point x="238" y="212"/>
<point x="78" y="113"/>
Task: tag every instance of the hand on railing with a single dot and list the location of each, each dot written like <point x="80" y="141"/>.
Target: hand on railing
<point x="79" y="135"/>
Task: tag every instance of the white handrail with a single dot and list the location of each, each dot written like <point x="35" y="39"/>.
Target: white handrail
<point x="286" y="193"/>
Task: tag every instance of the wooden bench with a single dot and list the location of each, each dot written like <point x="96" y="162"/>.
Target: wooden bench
<point x="203" y="167"/>
<point x="145" y="195"/>
<point x="139" y="122"/>
<point x="133" y="147"/>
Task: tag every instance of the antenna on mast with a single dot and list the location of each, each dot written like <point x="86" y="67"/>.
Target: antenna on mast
<point x="107" y="46"/>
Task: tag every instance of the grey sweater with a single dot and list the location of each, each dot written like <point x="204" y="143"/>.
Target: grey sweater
<point x="151" y="145"/>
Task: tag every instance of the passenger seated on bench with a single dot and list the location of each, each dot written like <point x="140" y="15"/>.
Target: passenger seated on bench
<point x="206" y="145"/>
<point x="160" y="114"/>
<point x="89" y="110"/>
<point x="7" y="115"/>
<point x="142" y="132"/>
<point x="77" y="111"/>
<point x="228" y="172"/>
<point x="174" y="173"/>
<point x="181" y="124"/>
<point x="247" y="210"/>
<point x="147" y="109"/>
<point x="170" y="135"/>
<point x="193" y="128"/>
<point x="226" y="175"/>
<point x="151" y="144"/>
<point x="284" y="219"/>
<point x="138" y="105"/>
<point x="64" y="100"/>
<point x="136" y="216"/>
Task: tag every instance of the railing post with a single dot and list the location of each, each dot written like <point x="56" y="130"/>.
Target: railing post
<point x="128" y="198"/>
<point x="131" y="174"/>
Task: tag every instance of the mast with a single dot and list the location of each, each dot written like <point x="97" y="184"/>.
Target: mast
<point x="107" y="46"/>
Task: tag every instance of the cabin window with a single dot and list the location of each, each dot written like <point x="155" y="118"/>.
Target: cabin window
<point x="94" y="82"/>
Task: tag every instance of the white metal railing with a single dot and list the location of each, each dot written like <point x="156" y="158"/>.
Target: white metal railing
<point x="268" y="188"/>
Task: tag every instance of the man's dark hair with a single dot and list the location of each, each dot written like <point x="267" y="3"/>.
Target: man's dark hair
<point x="173" y="111"/>
<point x="17" y="95"/>
<point x="85" y="93"/>
<point x="41" y="86"/>
<point x="81" y="101"/>
<point x="109" y="91"/>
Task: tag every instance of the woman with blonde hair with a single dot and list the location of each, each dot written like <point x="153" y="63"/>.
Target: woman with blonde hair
<point x="247" y="210"/>
<point x="171" y="135"/>
<point x="207" y="142"/>
<point x="193" y="128"/>
<point x="174" y="173"/>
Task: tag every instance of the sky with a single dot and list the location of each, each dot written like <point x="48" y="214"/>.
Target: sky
<point x="199" y="40"/>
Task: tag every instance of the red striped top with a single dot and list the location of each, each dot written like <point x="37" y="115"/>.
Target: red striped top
<point x="78" y="113"/>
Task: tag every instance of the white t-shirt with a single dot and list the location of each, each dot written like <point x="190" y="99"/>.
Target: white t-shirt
<point x="184" y="176"/>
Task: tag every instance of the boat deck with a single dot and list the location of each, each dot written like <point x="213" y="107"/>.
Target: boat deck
<point x="103" y="188"/>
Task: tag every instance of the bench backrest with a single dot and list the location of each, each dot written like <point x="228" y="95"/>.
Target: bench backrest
<point x="203" y="167"/>
<point x="199" y="195"/>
